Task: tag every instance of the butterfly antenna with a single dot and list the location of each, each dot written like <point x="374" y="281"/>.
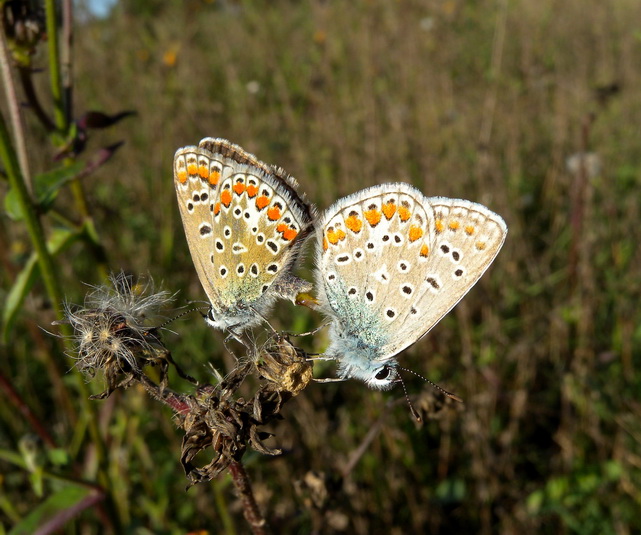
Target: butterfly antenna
<point x="434" y="385"/>
<point x="188" y="311"/>
<point x="407" y="398"/>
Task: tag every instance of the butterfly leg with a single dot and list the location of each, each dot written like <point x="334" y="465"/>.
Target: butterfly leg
<point x="264" y="319"/>
<point x="328" y="380"/>
<point x="308" y="333"/>
<point x="319" y="357"/>
<point x="233" y="335"/>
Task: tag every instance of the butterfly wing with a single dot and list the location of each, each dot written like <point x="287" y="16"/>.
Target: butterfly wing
<point x="465" y="238"/>
<point x="384" y="275"/>
<point x="196" y="177"/>
<point x="245" y="234"/>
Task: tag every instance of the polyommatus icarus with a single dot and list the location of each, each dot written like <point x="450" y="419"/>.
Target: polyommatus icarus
<point x="390" y="264"/>
<point x="244" y="223"/>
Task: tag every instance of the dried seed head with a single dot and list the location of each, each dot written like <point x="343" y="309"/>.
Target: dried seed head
<point x="112" y="329"/>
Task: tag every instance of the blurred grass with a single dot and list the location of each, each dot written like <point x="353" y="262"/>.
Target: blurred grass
<point x="481" y="100"/>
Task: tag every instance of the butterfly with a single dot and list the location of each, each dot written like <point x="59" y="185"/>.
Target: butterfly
<point x="390" y="263"/>
<point x="245" y="223"/>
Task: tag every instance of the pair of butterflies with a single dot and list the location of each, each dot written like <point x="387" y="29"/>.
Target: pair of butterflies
<point x="390" y="262"/>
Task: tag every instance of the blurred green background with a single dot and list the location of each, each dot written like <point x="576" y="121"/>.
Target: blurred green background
<point x="495" y="101"/>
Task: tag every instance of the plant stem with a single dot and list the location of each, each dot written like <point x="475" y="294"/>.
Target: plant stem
<point x="250" y="507"/>
<point x="54" y="67"/>
<point x="14" y="112"/>
<point x="34" y="228"/>
<point x="23" y="408"/>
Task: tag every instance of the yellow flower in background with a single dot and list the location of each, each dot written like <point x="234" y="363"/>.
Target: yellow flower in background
<point x="170" y="56"/>
<point x="320" y="36"/>
<point x="448" y="7"/>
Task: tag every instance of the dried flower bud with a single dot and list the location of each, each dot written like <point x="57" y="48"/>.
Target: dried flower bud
<point x="285" y="366"/>
<point x="24" y="27"/>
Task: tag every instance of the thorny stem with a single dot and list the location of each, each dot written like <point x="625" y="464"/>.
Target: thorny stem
<point x="250" y="508"/>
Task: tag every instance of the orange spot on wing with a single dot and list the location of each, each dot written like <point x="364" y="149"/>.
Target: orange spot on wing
<point x="425" y="250"/>
<point x="214" y="177"/>
<point x="469" y="230"/>
<point x="454" y="225"/>
<point x="252" y="191"/>
<point x="282" y="227"/>
<point x="261" y="202"/>
<point x="404" y="213"/>
<point x="354" y="224"/>
<point x="239" y="188"/>
<point x="290" y="234"/>
<point x="325" y="244"/>
<point x="192" y="168"/>
<point x="439" y="225"/>
<point x="216" y="208"/>
<point x="480" y="245"/>
<point x="389" y="209"/>
<point x="334" y="236"/>
<point x="203" y="171"/>
<point x="182" y="176"/>
<point x="373" y="217"/>
<point x="225" y="198"/>
<point x="415" y="233"/>
<point x="273" y="213"/>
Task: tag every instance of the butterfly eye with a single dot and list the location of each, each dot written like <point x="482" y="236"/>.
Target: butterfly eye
<point x="383" y="374"/>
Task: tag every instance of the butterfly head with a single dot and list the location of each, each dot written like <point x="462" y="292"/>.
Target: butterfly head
<point x="364" y="362"/>
<point x="376" y="375"/>
<point x="242" y="317"/>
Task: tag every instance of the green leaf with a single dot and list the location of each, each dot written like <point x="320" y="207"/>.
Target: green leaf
<point x="56" y="510"/>
<point x="12" y="205"/>
<point x="48" y="184"/>
<point x="60" y="239"/>
<point x="535" y="501"/>
<point x="451" y="491"/>
<point x="58" y="457"/>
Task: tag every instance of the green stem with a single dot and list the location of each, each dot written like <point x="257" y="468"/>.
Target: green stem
<point x="223" y="508"/>
<point x="54" y="67"/>
<point x="34" y="228"/>
<point x="52" y="285"/>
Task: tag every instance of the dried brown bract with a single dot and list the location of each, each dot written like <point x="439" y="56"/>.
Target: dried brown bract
<point x="229" y="425"/>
